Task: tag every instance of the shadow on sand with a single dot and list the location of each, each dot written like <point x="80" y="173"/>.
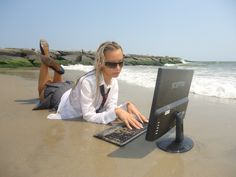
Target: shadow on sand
<point x="136" y="149"/>
<point x="28" y="101"/>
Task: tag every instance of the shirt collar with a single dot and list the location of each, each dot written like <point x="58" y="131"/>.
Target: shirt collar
<point x="102" y="82"/>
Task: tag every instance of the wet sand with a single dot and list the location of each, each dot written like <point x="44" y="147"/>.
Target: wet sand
<point x="31" y="145"/>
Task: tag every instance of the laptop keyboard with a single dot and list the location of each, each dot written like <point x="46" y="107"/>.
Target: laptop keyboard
<point x="120" y="134"/>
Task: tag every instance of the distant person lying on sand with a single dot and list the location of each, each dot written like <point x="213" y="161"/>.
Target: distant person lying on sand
<point x="94" y="97"/>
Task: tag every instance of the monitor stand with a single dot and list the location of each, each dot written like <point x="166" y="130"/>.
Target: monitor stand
<point x="180" y="143"/>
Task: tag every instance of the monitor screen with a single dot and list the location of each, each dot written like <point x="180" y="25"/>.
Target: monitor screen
<point x="168" y="109"/>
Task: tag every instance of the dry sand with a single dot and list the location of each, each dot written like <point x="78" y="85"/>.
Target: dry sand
<point x="32" y="146"/>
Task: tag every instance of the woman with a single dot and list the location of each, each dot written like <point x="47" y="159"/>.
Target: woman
<point x="95" y="95"/>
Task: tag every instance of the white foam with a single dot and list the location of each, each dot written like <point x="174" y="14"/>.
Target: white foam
<point x="139" y="75"/>
<point x="80" y="67"/>
<point x="214" y="86"/>
<point x="207" y="82"/>
<point x="169" y="64"/>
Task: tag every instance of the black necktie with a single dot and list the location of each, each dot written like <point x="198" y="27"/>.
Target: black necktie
<point x="104" y="97"/>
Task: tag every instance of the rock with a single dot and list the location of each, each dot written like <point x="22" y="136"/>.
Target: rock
<point x="17" y="52"/>
<point x="74" y="57"/>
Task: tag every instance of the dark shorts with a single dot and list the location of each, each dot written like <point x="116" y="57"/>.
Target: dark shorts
<point x="52" y="95"/>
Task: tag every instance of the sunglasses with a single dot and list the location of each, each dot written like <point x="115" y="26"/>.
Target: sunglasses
<point x="113" y="65"/>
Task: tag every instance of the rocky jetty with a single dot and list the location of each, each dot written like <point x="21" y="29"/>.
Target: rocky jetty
<point x="18" y="57"/>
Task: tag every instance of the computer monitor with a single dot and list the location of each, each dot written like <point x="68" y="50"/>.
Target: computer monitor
<point x="168" y="109"/>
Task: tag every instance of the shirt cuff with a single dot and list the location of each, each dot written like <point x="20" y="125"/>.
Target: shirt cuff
<point x="110" y="116"/>
<point x="54" y="116"/>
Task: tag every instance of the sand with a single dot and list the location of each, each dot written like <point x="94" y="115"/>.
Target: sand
<point x="31" y="145"/>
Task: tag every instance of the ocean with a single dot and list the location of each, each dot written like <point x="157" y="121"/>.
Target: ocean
<point x="213" y="79"/>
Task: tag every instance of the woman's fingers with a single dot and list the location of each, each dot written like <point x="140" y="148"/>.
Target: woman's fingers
<point x="135" y="123"/>
<point x="139" y="116"/>
<point x="127" y="124"/>
<point x="144" y="118"/>
<point x="129" y="118"/>
<point x="133" y="110"/>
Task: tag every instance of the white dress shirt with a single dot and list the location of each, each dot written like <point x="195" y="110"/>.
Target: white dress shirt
<point x="81" y="101"/>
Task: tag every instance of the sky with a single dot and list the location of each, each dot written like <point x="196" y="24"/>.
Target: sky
<point x="196" y="30"/>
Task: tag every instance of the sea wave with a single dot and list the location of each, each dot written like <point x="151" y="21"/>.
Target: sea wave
<point x="206" y="81"/>
<point x="215" y="87"/>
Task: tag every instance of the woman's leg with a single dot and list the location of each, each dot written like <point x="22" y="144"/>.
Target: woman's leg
<point x="57" y="77"/>
<point x="44" y="76"/>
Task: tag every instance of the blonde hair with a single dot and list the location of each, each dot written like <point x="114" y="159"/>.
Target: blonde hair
<point x="100" y="58"/>
<point x="99" y="61"/>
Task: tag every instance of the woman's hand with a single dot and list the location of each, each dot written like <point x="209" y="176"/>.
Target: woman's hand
<point x="128" y="119"/>
<point x="133" y="110"/>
